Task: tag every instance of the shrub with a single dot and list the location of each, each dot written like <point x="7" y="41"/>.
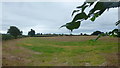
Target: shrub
<point x="7" y="37"/>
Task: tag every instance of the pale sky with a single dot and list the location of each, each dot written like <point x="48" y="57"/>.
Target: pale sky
<point x="47" y="17"/>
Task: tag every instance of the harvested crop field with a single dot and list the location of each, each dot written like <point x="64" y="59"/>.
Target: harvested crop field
<point x="61" y="51"/>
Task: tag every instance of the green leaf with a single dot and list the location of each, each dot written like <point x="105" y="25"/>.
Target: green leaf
<point x="80" y="16"/>
<point x="76" y="25"/>
<point x="82" y="5"/>
<point x="111" y="4"/>
<point x="101" y="11"/>
<point x="93" y="18"/>
<point x="96" y="14"/>
<point x="117" y="23"/>
<point x="91" y="3"/>
<point x="75" y="11"/>
<point x="72" y="25"/>
<point x="63" y="26"/>
<point x="69" y="26"/>
<point x="99" y="6"/>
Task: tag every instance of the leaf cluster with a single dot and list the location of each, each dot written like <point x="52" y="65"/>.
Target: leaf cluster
<point x="98" y="8"/>
<point x="96" y="11"/>
<point x="72" y="25"/>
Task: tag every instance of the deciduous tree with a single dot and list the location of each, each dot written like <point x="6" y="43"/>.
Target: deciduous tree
<point x="31" y="33"/>
<point x="14" y="31"/>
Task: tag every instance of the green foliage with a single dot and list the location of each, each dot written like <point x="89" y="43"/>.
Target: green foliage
<point x="45" y="49"/>
<point x="72" y="25"/>
<point x="100" y="35"/>
<point x="98" y="8"/>
<point x="80" y="16"/>
<point x="118" y="22"/>
<point x="115" y="33"/>
<point x="75" y="11"/>
<point x="31" y="33"/>
<point x="7" y="37"/>
<point x="14" y="31"/>
<point x="96" y="11"/>
<point x="96" y="33"/>
<point x="95" y="15"/>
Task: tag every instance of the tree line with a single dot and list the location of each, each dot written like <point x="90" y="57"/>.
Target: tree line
<point x="14" y="33"/>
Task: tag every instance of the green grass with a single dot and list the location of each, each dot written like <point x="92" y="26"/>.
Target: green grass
<point x="68" y="53"/>
<point x="45" y="49"/>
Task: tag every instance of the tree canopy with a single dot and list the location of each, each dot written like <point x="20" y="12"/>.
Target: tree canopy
<point x="31" y="33"/>
<point x="14" y="31"/>
<point x="96" y="11"/>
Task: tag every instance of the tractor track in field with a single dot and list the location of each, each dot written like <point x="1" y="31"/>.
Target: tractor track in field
<point x="18" y="58"/>
<point x="13" y="55"/>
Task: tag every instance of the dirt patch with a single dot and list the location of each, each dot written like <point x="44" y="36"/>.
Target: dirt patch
<point x="28" y="44"/>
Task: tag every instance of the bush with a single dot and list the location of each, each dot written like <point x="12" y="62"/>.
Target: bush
<point x="7" y="37"/>
<point x="22" y="36"/>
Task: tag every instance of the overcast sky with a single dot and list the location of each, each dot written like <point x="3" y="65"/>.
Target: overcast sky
<point x="47" y="17"/>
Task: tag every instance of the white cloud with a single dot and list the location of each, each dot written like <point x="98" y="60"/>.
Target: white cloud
<point x="42" y="0"/>
<point x="47" y="17"/>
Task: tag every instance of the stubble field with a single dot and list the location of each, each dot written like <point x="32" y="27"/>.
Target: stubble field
<point x="60" y="51"/>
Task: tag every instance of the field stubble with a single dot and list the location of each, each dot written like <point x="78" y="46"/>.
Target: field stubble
<point x="61" y="51"/>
